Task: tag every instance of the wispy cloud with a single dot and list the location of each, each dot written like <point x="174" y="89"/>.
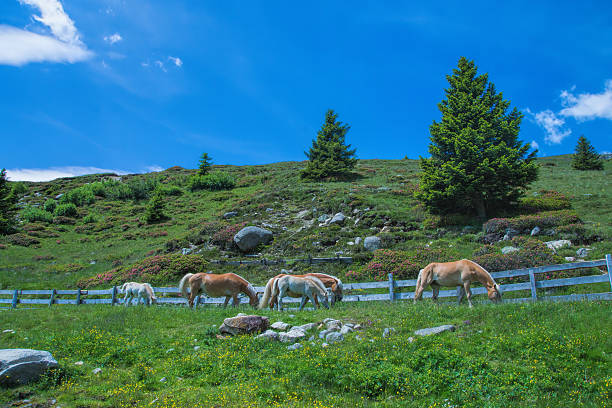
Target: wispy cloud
<point x="112" y="39"/>
<point x="177" y="61"/>
<point x="588" y="106"/>
<point x="535" y="145"/>
<point x="552" y="125"/>
<point x="53" y="173"/>
<point x="19" y="47"/>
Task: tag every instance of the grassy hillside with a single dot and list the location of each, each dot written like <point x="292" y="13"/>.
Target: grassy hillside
<point x="111" y="233"/>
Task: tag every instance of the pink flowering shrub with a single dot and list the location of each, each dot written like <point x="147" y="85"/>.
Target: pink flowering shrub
<point x="160" y="269"/>
<point x="525" y="223"/>
<point x="225" y="236"/>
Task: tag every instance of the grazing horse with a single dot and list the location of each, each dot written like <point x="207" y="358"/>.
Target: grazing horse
<point x="308" y="287"/>
<point x="142" y="291"/>
<point x="328" y="281"/>
<point x="226" y="284"/>
<point x="459" y="273"/>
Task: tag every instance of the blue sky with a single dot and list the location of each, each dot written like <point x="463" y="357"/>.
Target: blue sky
<point x="133" y="86"/>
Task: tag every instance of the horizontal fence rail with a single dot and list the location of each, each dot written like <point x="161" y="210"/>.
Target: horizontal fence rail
<point x="171" y="295"/>
<point x="264" y="261"/>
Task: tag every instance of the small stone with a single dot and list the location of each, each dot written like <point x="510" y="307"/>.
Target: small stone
<point x="324" y="345"/>
<point x="334" y="337"/>
<point x="269" y="335"/>
<point x="535" y="231"/>
<point x="388" y="332"/>
<point x="230" y="214"/>
<point x="323" y="333"/>
<point x="358" y="337"/>
<point x="582" y="252"/>
<point x="435" y="330"/>
<point x="509" y="249"/>
<point x="570" y="258"/>
<point x="170" y="350"/>
<point x="241" y="314"/>
<point x="305" y="327"/>
<point x="311" y="338"/>
<point x="196" y="348"/>
<point x="410" y="339"/>
<point x="291" y="336"/>
<point x="96" y="371"/>
<point x="345" y="330"/>
<point x="559" y="244"/>
<point x="11" y="331"/>
<point x="282" y="326"/>
<point x="372" y="243"/>
<point x="163" y="379"/>
<point x="333" y="325"/>
<point x="294" y="346"/>
<point x="357" y="327"/>
<point x="78" y="363"/>
<point x="338" y="219"/>
<point x="291" y="316"/>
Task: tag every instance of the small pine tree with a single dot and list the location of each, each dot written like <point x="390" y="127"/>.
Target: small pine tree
<point x="329" y="156"/>
<point x="204" y="165"/>
<point x="156" y="207"/>
<point x="586" y="158"/>
<point x="8" y="205"/>
<point x="477" y="162"/>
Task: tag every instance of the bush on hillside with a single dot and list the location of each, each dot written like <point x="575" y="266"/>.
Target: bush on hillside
<point x="403" y="264"/>
<point x="525" y="223"/>
<point x="156" y="270"/>
<point x="90" y="219"/>
<point x="135" y="189"/>
<point x="171" y="190"/>
<point x="66" y="210"/>
<point x="33" y="214"/>
<point x="225" y="236"/>
<point x="79" y="196"/>
<point x="22" y="240"/>
<point x="545" y="200"/>
<point x="50" y="205"/>
<point x="212" y="181"/>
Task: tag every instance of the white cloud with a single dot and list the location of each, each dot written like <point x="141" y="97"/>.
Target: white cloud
<point x="112" y="39"/>
<point x="55" y="172"/>
<point x="154" y="168"/>
<point x="552" y="124"/>
<point x="588" y="106"/>
<point x="160" y="65"/>
<point x="535" y="145"/>
<point x="19" y="47"/>
<point x="177" y="61"/>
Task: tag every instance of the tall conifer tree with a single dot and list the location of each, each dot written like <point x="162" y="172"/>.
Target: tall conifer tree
<point x="204" y="165"/>
<point x="586" y="158"/>
<point x="477" y="163"/>
<point x="330" y="156"/>
<point x="8" y="205"/>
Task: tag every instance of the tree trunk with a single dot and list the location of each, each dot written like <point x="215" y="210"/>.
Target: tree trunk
<point x="480" y="208"/>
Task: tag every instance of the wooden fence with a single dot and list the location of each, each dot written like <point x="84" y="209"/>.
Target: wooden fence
<point x="264" y="261"/>
<point x="392" y="289"/>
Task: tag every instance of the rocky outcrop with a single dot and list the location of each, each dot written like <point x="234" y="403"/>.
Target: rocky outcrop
<point x="244" y="325"/>
<point x="21" y="366"/>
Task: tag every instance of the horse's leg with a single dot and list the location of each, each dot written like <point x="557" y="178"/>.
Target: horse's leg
<point x="235" y="300"/>
<point x="227" y="298"/>
<point x="460" y="294"/>
<point x="127" y="294"/>
<point x="304" y="300"/>
<point x="436" y="290"/>
<point x="468" y="292"/>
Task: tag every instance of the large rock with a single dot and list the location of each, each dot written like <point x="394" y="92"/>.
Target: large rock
<point x="338" y="219"/>
<point x="555" y="245"/>
<point x="269" y="335"/>
<point x="333" y="337"/>
<point x="305" y="327"/>
<point x="244" y="325"/>
<point x="435" y="330"/>
<point x="249" y="238"/>
<point x="333" y="325"/>
<point x="282" y="326"/>
<point x="21" y="366"/>
<point x="371" y="243"/>
<point x="291" y="336"/>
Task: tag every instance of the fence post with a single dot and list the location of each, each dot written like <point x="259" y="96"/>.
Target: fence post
<point x="52" y="297"/>
<point x="391" y="285"/>
<point x="609" y="265"/>
<point x="114" y="296"/>
<point x="15" y="299"/>
<point x="78" y="299"/>
<point x="534" y="295"/>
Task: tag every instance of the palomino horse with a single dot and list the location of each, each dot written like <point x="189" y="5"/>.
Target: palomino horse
<point x="458" y="273"/>
<point x="308" y="287"/>
<point x="226" y="284"/>
<point x="142" y="291"/>
<point x="328" y="281"/>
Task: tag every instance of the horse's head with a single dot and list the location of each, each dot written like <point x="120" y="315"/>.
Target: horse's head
<point x="494" y="293"/>
<point x="253" y="296"/>
<point x="324" y="302"/>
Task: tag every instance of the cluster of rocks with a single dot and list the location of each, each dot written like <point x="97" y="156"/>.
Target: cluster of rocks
<point x="329" y="331"/>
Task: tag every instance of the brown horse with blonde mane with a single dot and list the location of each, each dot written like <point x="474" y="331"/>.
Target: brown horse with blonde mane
<point x="226" y="284"/>
<point x="328" y="281"/>
<point x="459" y="273"/>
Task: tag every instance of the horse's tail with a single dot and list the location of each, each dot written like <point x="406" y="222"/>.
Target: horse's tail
<point x="183" y="285"/>
<point x="267" y="293"/>
<point x="124" y="286"/>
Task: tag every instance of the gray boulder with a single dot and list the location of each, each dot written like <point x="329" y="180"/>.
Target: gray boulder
<point x="333" y="325"/>
<point x="291" y="336"/>
<point x="294" y="346"/>
<point x="323" y="333"/>
<point x="509" y="250"/>
<point x="371" y="243"/>
<point x="535" y="231"/>
<point x="21" y="366"/>
<point x="280" y="325"/>
<point x="269" y="335"/>
<point x="559" y="244"/>
<point x="230" y="214"/>
<point x="388" y="332"/>
<point x="358" y="241"/>
<point x="338" y="219"/>
<point x="510" y="233"/>
<point x="244" y="325"/>
<point x="435" y="330"/>
<point x="345" y="329"/>
<point x="249" y="238"/>
<point x="302" y="214"/>
<point x="582" y="252"/>
<point x="323" y="218"/>
<point x="334" y="337"/>
<point x="305" y="327"/>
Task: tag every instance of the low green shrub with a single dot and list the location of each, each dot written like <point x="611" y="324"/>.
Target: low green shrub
<point x="19" y="188"/>
<point x="545" y="200"/>
<point x="33" y="214"/>
<point x="525" y="223"/>
<point x="225" y="236"/>
<point x="171" y="190"/>
<point x="156" y="270"/>
<point x="79" y="196"/>
<point x="66" y="210"/>
<point x="22" y="240"/>
<point x="64" y="220"/>
<point x="212" y="181"/>
<point x="50" y="205"/>
<point x="90" y="219"/>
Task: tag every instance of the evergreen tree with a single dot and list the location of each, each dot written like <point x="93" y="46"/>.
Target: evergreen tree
<point x="8" y="207"/>
<point x="329" y="156"/>
<point x="586" y="158"/>
<point x="156" y="207"/>
<point x="477" y="163"/>
<point x="204" y="165"/>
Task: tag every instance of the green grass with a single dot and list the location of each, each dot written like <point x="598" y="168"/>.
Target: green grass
<point x="501" y="355"/>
